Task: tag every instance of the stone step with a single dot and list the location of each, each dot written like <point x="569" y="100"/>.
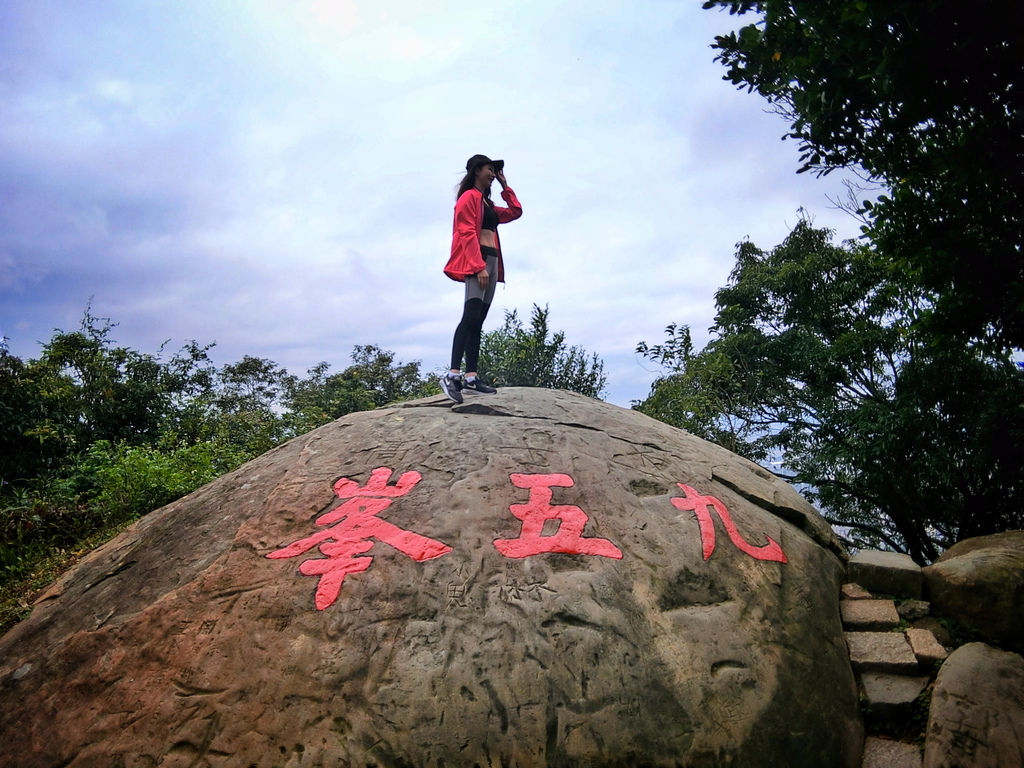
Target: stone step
<point x="936" y="627"/>
<point x="889" y="696"/>
<point x="926" y="648"/>
<point x="885" y="753"/>
<point x="868" y="615"/>
<point x="881" y="652"/>
<point x="853" y="591"/>
<point x="889" y="573"/>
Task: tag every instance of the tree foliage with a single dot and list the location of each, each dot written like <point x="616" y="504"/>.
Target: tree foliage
<point x="533" y="357"/>
<point x="926" y="97"/>
<point x="83" y="389"/>
<point x="374" y="379"/>
<point x="93" y="433"/>
<point x="815" y="366"/>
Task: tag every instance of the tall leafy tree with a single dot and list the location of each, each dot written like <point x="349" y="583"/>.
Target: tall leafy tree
<point x="22" y="410"/>
<point x="84" y="388"/>
<point x="926" y="97"/>
<point x="534" y="357"/>
<point x="321" y="397"/>
<point x="374" y="379"/>
<point x="376" y="372"/>
<point x="814" y="367"/>
<point x="102" y="391"/>
<point x="246" y="413"/>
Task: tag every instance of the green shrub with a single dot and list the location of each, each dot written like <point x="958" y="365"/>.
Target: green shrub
<point x="108" y="485"/>
<point x="129" y="481"/>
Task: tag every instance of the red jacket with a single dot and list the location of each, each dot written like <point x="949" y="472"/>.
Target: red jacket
<point x="465" y="259"/>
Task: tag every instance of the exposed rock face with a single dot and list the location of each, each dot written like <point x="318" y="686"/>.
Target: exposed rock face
<point x="980" y="583"/>
<point x="977" y="712"/>
<point x="544" y="579"/>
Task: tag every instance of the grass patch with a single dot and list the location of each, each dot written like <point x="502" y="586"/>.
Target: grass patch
<point x="17" y="594"/>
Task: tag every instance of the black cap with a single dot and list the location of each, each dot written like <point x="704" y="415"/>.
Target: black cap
<point x="477" y="160"/>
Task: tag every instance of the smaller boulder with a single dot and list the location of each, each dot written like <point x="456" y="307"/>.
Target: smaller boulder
<point x="891" y="573"/>
<point x="912" y="610"/>
<point x="979" y="582"/>
<point x="977" y="710"/>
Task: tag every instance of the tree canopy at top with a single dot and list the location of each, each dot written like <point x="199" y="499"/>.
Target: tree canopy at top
<point x="926" y="97"/>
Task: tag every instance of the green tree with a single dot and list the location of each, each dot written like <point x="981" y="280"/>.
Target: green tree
<point x="321" y="397"/>
<point x="703" y="394"/>
<point x="815" y="367"/>
<point x="374" y="379"/>
<point x="515" y="356"/>
<point x="93" y="434"/>
<point x="22" y="408"/>
<point x="192" y="381"/>
<point x="246" y="411"/>
<point x="377" y="372"/>
<point x="85" y="388"/>
<point x="102" y="391"/>
<point x="927" y="98"/>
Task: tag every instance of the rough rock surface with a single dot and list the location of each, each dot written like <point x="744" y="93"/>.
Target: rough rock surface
<point x="937" y="628"/>
<point x="890" y="573"/>
<point x="852" y="591"/>
<point x="977" y="712"/>
<point x="885" y="753"/>
<point x="881" y="652"/>
<point x="912" y="610"/>
<point x="891" y="696"/>
<point x="443" y="620"/>
<point x="868" y="615"/>
<point x="980" y="583"/>
<point x="926" y="648"/>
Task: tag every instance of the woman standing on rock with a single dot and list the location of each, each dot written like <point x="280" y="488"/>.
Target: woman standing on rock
<point x="476" y="261"/>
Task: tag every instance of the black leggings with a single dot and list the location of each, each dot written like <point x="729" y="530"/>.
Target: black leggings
<point x="467" y="335"/>
<point x="474" y="312"/>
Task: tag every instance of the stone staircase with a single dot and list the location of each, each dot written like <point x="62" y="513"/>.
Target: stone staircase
<point x="893" y="650"/>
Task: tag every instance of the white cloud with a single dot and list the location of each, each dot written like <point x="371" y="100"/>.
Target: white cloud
<point x="278" y="176"/>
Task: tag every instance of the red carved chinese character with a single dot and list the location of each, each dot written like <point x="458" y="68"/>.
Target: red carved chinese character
<point x="569" y="536"/>
<point x="698" y="504"/>
<point x="356" y="523"/>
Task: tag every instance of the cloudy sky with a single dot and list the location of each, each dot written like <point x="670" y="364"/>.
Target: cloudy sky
<point x="277" y="176"/>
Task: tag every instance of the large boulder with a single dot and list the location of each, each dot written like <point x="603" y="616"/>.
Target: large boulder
<point x="530" y="578"/>
<point x="977" y="712"/>
<point x="980" y="583"/>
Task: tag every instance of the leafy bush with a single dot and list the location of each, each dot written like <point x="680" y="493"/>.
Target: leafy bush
<point x="514" y="356"/>
<point x="93" y="434"/>
<point x="129" y="481"/>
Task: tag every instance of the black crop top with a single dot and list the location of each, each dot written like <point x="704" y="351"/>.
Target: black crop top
<point x="490" y="218"/>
